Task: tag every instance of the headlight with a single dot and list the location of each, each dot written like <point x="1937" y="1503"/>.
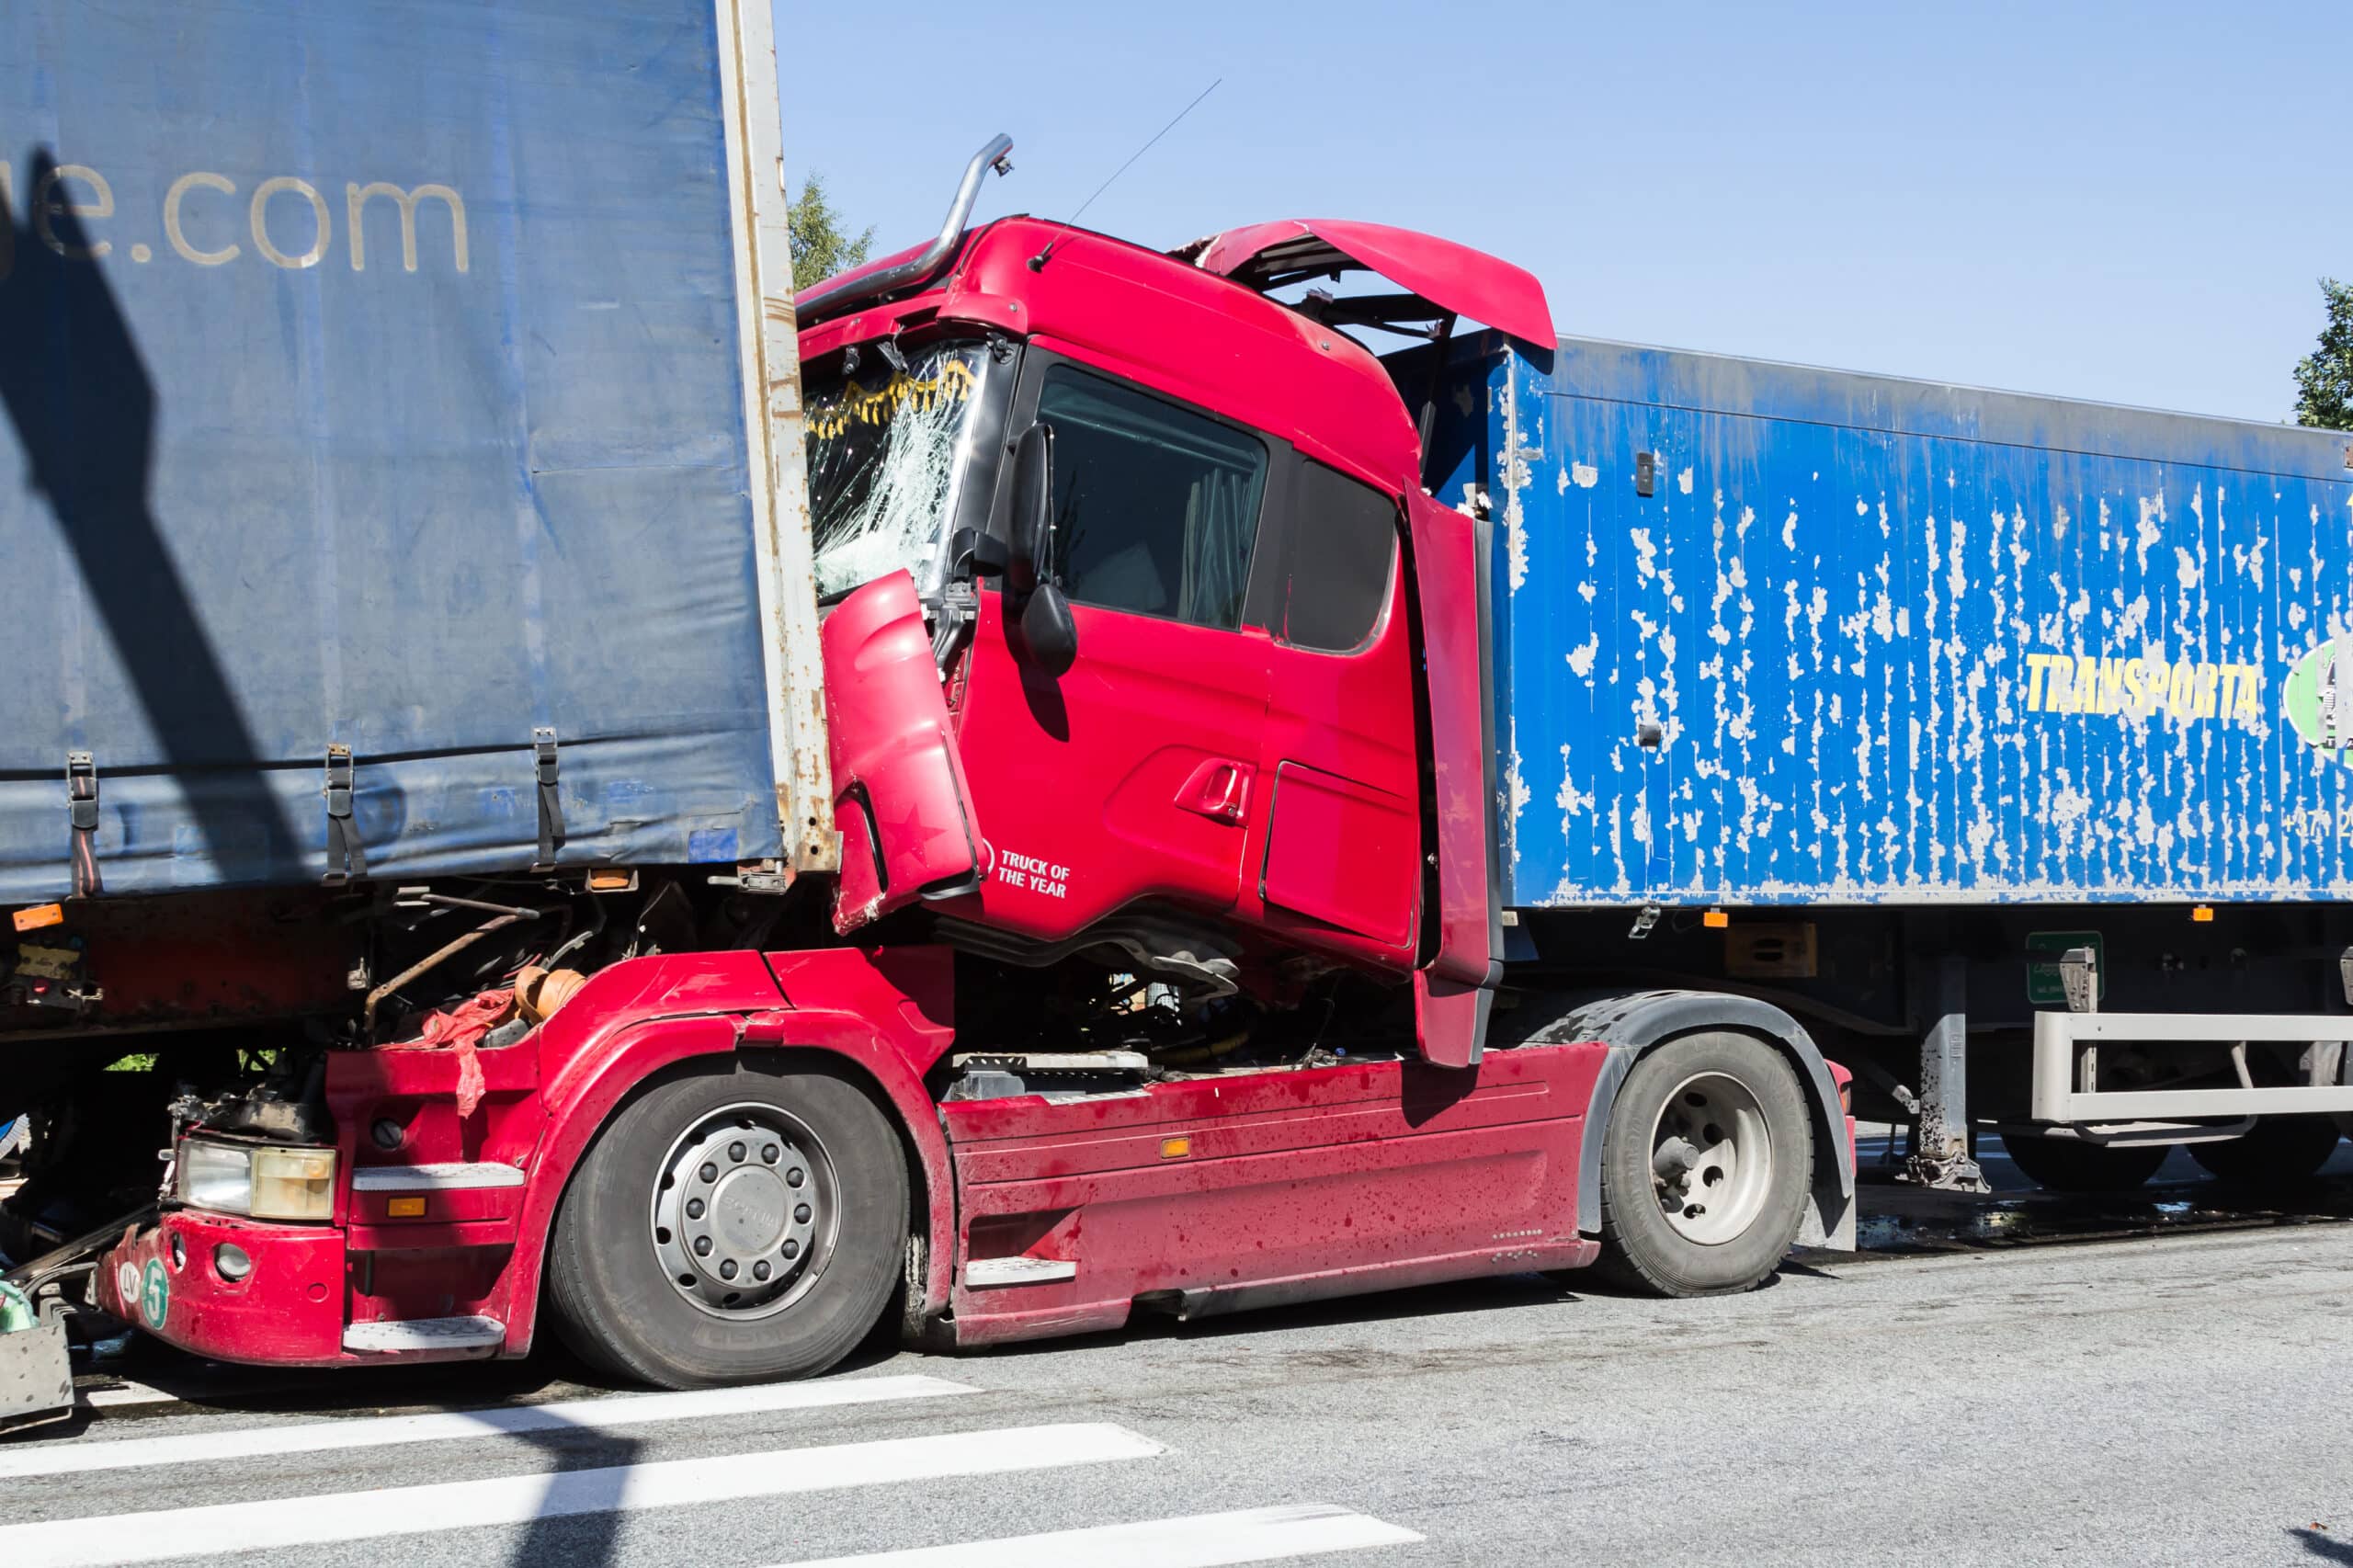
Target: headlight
<point x="216" y="1176"/>
<point x="264" y="1180"/>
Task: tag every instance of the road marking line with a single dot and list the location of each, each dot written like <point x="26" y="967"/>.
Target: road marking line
<point x="1202" y="1540"/>
<point x="385" y="1431"/>
<point x="520" y="1499"/>
<point x="128" y="1393"/>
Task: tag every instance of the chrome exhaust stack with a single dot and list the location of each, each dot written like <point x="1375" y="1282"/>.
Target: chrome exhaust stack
<point x="856" y="289"/>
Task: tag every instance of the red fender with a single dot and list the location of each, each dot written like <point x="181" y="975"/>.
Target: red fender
<point x="884" y="1010"/>
<point x="626" y="1024"/>
<point x="890" y="1010"/>
<point x="636" y="1053"/>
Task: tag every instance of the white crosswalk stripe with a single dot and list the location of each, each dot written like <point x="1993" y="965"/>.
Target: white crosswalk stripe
<point x="1201" y="1541"/>
<point x="292" y="1525"/>
<point x="520" y="1499"/>
<point x="385" y="1431"/>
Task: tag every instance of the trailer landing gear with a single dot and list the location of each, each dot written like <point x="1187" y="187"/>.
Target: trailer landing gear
<point x="1940" y="1157"/>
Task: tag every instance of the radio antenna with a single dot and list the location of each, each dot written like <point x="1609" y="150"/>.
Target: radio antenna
<point x="1037" y="262"/>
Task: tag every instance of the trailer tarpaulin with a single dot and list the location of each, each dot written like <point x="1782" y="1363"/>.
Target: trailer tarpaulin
<point x="373" y="478"/>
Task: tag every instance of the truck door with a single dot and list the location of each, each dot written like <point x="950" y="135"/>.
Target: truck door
<point x="1134" y="774"/>
<point x="1342" y="859"/>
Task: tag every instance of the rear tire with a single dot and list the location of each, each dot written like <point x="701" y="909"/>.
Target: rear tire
<point x="695" y="1174"/>
<point x="1705" y="1167"/>
<point x="2068" y="1164"/>
<point x="2280" y="1151"/>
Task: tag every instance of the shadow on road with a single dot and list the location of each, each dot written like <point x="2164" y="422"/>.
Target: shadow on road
<point x="2323" y="1545"/>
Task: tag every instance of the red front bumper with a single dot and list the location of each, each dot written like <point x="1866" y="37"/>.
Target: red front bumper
<point x="287" y="1311"/>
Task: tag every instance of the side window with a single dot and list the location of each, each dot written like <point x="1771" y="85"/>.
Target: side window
<point x="1155" y="507"/>
<point x="1342" y="537"/>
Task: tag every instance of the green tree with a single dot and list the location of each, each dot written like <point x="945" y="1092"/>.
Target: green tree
<point x="2325" y="377"/>
<point x="821" y="243"/>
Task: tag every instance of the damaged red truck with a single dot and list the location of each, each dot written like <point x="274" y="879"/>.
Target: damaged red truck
<point x="567" y="789"/>
<point x="1167" y="924"/>
<point x="1043" y="779"/>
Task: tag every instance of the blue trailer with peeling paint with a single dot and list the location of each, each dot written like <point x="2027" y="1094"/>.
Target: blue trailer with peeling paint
<point x="1768" y="635"/>
<point x="1921" y="713"/>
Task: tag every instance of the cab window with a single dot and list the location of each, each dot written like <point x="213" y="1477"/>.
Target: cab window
<point x="1342" y="537"/>
<point x="1156" y="507"/>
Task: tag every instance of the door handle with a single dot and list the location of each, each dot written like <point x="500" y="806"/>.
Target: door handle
<point x="1218" y="789"/>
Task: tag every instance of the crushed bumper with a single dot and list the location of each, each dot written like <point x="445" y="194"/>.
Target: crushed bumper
<point x="287" y="1311"/>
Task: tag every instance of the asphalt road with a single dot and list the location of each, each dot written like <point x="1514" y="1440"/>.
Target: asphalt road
<point x="1962" y="1393"/>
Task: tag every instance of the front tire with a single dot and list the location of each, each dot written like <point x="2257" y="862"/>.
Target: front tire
<point x="743" y="1225"/>
<point x="1705" y="1167"/>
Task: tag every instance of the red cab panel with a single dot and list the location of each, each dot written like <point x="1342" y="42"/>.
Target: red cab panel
<point x="899" y="793"/>
<point x="1344" y="853"/>
<point x="1132" y="776"/>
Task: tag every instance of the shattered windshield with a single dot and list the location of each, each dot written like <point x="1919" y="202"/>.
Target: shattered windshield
<point x="886" y="450"/>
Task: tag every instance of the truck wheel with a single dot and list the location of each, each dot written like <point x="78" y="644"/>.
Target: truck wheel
<point x="2069" y="1164"/>
<point x="743" y="1225"/>
<point x="2279" y="1151"/>
<point x="1704" y="1167"/>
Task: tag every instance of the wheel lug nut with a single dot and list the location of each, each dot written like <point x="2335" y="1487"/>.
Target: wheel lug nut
<point x="702" y="1246"/>
<point x="694" y="1207"/>
<point x="791" y="1248"/>
<point x="795" y="1177"/>
<point x="735" y="1151"/>
<point x="708" y="1172"/>
<point x="760" y="1270"/>
<point x="727" y="1270"/>
<point x="801" y="1214"/>
<point x="769" y="1152"/>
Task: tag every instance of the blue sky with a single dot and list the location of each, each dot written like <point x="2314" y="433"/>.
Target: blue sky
<point x="2104" y="201"/>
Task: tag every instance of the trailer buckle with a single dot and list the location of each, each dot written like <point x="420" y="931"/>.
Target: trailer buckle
<point x="346" y="856"/>
<point x="81" y="816"/>
<point x="543" y="751"/>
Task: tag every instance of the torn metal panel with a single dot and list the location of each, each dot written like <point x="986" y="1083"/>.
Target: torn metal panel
<point x="1906" y="643"/>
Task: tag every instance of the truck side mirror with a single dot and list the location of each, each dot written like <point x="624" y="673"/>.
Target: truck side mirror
<point x="1048" y="635"/>
<point x="1032" y="521"/>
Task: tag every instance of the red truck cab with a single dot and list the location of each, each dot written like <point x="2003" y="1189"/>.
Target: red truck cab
<point x="1168" y="933"/>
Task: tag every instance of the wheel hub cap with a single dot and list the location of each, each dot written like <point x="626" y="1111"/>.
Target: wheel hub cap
<point x="743" y="1212"/>
<point x="1712" y="1159"/>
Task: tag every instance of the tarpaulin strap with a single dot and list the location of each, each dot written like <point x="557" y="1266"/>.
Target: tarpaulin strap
<point x="82" y="802"/>
<point x="550" y="807"/>
<point x="347" y="857"/>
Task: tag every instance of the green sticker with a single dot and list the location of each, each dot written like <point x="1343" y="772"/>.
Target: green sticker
<point x="155" y="1294"/>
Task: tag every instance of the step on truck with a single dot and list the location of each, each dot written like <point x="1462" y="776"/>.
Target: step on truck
<point x="569" y="788"/>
